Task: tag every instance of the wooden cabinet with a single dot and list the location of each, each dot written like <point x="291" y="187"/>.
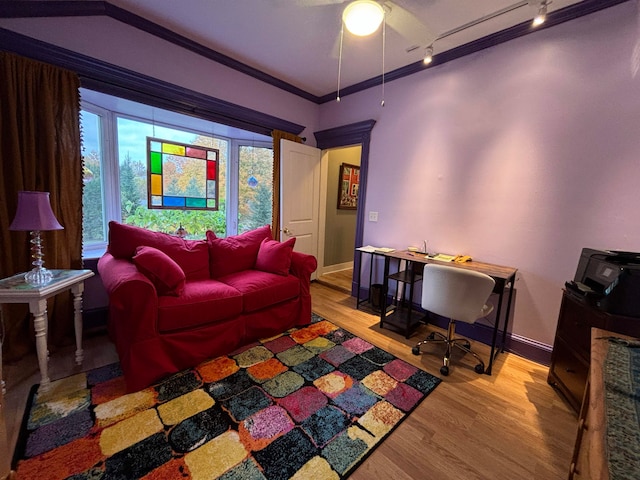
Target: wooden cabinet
<point x="595" y="423"/>
<point x="571" y="348"/>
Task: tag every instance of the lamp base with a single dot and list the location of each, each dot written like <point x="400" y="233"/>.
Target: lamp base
<point x="38" y="277"/>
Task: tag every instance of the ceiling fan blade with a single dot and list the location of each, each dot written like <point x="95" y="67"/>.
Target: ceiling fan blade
<point x="408" y="25"/>
<point x="315" y="3"/>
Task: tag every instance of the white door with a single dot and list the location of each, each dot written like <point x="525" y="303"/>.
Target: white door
<point x="300" y="196"/>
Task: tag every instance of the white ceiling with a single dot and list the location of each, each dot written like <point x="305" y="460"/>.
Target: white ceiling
<point x="297" y="40"/>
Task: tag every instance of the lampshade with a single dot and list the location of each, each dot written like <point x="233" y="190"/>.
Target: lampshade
<point x="34" y="213"/>
<point x="363" y="17"/>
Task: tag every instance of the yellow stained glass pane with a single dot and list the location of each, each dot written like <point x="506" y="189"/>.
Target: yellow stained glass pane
<point x="156" y="184"/>
<point x="174" y="149"/>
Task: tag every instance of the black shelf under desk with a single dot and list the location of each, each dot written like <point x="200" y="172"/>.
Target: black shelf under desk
<point x="403" y="318"/>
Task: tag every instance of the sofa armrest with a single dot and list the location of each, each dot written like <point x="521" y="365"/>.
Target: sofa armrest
<point x="303" y="265"/>
<point x="133" y="301"/>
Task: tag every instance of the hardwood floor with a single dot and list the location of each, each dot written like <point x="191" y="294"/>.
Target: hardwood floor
<point x="340" y="280"/>
<point x="511" y="425"/>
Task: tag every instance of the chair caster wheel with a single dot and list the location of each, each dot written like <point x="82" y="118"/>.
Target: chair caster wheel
<point x="415" y="350"/>
<point x="479" y="368"/>
<point x="444" y="370"/>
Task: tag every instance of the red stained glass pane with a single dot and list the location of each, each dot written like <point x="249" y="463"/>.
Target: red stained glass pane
<point x="211" y="170"/>
<point x="196" y="153"/>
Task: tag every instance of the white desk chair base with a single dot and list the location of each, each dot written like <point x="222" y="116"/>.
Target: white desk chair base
<point x="450" y="340"/>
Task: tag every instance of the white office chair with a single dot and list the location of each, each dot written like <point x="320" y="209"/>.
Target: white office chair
<point x="459" y="295"/>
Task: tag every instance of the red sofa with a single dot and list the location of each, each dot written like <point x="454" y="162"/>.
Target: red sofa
<point x="174" y="303"/>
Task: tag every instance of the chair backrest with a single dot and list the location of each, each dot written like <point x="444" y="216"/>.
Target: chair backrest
<point x="454" y="292"/>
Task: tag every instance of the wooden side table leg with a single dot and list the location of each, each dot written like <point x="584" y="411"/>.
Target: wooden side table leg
<point x="38" y="309"/>
<point x="77" y="319"/>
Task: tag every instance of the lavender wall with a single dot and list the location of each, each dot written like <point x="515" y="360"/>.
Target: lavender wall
<point x="519" y="155"/>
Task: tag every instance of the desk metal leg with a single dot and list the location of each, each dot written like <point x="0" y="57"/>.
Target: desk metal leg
<point x="512" y="281"/>
<point x="358" y="280"/>
<point x="496" y="327"/>
<point x="77" y="319"/>
<point x="38" y="309"/>
<point x="383" y="294"/>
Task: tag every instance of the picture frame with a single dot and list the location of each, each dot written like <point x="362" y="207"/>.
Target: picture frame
<point x="348" y="186"/>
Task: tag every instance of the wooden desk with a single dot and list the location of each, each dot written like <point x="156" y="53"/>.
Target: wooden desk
<point x="503" y="276"/>
<point x="15" y="290"/>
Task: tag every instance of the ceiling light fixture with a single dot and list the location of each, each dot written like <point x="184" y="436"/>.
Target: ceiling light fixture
<point x="428" y="55"/>
<point x="541" y="16"/>
<point x="363" y="17"/>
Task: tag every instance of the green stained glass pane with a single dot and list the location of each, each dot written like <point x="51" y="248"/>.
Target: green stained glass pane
<point x="211" y="203"/>
<point x="156" y="162"/>
<point x="155" y="146"/>
<point x="196" y="202"/>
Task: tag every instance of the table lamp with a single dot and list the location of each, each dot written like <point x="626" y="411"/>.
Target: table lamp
<point x="34" y="215"/>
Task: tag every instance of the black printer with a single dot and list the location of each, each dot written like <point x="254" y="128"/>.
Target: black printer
<point x="609" y="280"/>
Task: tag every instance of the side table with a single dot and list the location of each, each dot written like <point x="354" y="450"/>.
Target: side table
<point x="15" y="290"/>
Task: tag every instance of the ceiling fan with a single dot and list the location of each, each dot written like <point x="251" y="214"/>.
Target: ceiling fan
<point x="396" y="17"/>
<point x="364" y="17"/>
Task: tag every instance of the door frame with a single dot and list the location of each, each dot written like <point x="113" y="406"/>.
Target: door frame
<point x="344" y="136"/>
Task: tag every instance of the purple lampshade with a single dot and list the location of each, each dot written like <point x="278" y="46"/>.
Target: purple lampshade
<point x="34" y="213"/>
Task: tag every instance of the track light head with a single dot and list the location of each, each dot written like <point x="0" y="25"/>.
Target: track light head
<point x="540" y="18"/>
<point x="428" y="55"/>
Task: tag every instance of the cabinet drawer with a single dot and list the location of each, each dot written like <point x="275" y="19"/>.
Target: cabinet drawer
<point x="575" y="323"/>
<point x="570" y="371"/>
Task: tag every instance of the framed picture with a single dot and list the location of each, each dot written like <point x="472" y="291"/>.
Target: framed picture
<point x="348" y="183"/>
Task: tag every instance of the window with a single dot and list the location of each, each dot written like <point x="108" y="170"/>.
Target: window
<point x="115" y="132"/>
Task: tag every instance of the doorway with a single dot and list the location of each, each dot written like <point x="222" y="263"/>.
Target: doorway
<point x="340" y="172"/>
<point x="348" y="135"/>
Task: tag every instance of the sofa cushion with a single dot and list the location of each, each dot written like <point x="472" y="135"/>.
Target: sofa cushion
<point x="191" y="255"/>
<point x="202" y="302"/>
<point x="235" y="253"/>
<point x="274" y="256"/>
<point x="165" y="274"/>
<point x="262" y="289"/>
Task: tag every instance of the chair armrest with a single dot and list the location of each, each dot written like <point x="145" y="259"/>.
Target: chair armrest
<point x="133" y="300"/>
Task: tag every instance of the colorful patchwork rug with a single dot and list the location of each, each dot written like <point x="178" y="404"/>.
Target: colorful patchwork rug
<point x="309" y="404"/>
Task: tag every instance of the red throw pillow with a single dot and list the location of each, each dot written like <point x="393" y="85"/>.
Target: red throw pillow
<point x="274" y="256"/>
<point x="165" y="274"/>
<point x="235" y="253"/>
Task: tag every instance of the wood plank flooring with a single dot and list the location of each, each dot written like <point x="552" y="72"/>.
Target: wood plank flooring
<point x="511" y="425"/>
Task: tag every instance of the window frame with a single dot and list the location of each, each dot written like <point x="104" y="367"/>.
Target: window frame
<point x="110" y="168"/>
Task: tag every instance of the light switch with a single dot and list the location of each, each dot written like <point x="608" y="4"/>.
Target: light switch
<point x="373" y="216"/>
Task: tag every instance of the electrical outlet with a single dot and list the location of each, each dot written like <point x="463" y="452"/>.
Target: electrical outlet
<point x="373" y="216"/>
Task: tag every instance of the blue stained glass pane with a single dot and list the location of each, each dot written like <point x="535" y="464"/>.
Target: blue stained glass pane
<point x="173" y="201"/>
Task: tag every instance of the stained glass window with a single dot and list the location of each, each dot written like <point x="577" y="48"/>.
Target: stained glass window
<point x="182" y="176"/>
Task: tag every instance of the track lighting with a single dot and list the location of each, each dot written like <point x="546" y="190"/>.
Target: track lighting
<point x="428" y="55"/>
<point x="541" y="16"/>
